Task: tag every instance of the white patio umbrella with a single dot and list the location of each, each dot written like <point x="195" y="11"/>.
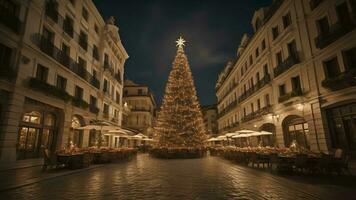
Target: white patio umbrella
<point x="231" y="134"/>
<point x="245" y="131"/>
<point x="242" y="136"/>
<point x="265" y="133"/>
<point x="212" y="139"/>
<point x="99" y="126"/>
<point x="221" y="137"/>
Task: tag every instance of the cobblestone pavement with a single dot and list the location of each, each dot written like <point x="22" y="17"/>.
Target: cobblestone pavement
<point x="206" y="178"/>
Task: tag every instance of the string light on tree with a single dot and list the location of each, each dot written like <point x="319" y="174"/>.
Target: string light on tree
<point x="180" y="122"/>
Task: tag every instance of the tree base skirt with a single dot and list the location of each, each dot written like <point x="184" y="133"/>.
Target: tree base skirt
<point x="178" y="153"/>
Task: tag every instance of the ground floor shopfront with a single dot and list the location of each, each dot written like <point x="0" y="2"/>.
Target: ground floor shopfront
<point x="30" y="123"/>
<point x="312" y="125"/>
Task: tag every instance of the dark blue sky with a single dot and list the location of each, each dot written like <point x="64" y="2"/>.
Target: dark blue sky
<point x="149" y="29"/>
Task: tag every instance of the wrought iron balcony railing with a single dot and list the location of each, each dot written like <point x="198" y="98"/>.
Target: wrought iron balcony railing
<point x="286" y="64"/>
<point x="335" y="32"/>
<point x="260" y="84"/>
<point x="47" y="47"/>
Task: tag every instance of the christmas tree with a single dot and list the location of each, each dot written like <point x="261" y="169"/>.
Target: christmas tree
<point x="180" y="123"/>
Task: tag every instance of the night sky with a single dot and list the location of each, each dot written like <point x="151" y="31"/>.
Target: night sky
<point x="149" y="29"/>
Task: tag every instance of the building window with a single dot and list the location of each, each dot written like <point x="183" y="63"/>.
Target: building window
<point x="252" y="108"/>
<point x="96" y="29"/>
<point x="139" y="91"/>
<point x="350" y="59"/>
<point x="42" y="73"/>
<point x="106" y="109"/>
<point x="267" y="100"/>
<point x="93" y="101"/>
<point x="251" y="60"/>
<point x="244" y="112"/>
<point x="275" y="32"/>
<point x="61" y="83"/>
<point x="331" y="68"/>
<point x="32" y="117"/>
<point x="85" y="14"/>
<point x="68" y="26"/>
<point x="282" y="89"/>
<point x="279" y="58"/>
<point x="257" y="52"/>
<point x="95" y="52"/>
<point x="263" y="45"/>
<point x="72" y="2"/>
<point x="83" y="40"/>
<point x="343" y="15"/>
<point x="5" y="56"/>
<point x="296" y="86"/>
<point x="48" y="35"/>
<point x="258" y="104"/>
<point x="287" y="20"/>
<point x="78" y="93"/>
<point x="65" y="49"/>
<point x="265" y="69"/>
<point x="106" y="86"/>
<point x="292" y="49"/>
<point x="257" y="77"/>
<point x="52" y="10"/>
<point x="117" y="97"/>
<point x="323" y="26"/>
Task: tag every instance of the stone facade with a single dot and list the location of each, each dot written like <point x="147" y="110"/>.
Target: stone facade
<point x="295" y="76"/>
<point x="142" y="104"/>
<point x="63" y="67"/>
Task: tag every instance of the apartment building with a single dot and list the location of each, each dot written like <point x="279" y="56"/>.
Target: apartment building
<point x="142" y="106"/>
<point x="210" y="115"/>
<point x="62" y="67"/>
<point x="295" y="76"/>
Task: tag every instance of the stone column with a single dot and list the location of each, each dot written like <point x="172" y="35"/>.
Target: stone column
<point x="10" y="128"/>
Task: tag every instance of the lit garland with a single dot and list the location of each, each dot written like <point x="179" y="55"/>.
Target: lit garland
<point x="180" y="122"/>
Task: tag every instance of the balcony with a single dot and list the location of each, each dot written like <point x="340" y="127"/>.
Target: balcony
<point x="107" y="67"/>
<point x="336" y="31"/>
<point x="80" y="103"/>
<point x="257" y="113"/>
<point x="95" y="82"/>
<point x="51" y="11"/>
<point x="272" y="9"/>
<point x="343" y="80"/>
<point x="228" y="92"/>
<point x="47" y="47"/>
<point x="288" y="63"/>
<point x="231" y="126"/>
<point x="106" y="115"/>
<point x="260" y="84"/>
<point x="290" y="95"/>
<point x="83" y="43"/>
<point x="48" y="89"/>
<point x="314" y="3"/>
<point x="9" y="19"/>
<point x="93" y="109"/>
<point x="227" y="109"/>
<point x="68" y="29"/>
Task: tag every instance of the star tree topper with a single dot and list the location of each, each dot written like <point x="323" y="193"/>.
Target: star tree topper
<point x="180" y="42"/>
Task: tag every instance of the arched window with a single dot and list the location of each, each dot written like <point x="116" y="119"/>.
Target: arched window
<point x="32" y="117"/>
